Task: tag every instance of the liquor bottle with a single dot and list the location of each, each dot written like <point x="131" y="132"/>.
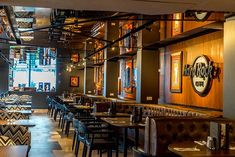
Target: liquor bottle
<point x="134" y="113"/>
<point x="224" y="136"/>
<point x="140" y="115"/>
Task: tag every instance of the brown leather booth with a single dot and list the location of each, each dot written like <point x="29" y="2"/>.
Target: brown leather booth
<point x="153" y="110"/>
<point x="162" y="131"/>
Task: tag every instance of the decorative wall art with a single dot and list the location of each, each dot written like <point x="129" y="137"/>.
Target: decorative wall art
<point x="176" y="72"/>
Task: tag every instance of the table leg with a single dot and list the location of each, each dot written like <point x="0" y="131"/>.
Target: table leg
<point x="136" y="138"/>
<point x="125" y="142"/>
<point x="117" y="149"/>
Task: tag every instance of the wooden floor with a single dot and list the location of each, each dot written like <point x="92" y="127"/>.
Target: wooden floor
<point x="48" y="141"/>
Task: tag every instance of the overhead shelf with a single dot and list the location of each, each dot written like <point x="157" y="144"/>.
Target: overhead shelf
<point x="213" y="27"/>
<point x="98" y="64"/>
<point x="122" y="56"/>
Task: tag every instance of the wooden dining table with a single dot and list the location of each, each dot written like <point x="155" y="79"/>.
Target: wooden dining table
<point x="14" y="151"/>
<point x="66" y="100"/>
<point x="193" y="149"/>
<point x="82" y="107"/>
<point x="125" y="124"/>
<point x="21" y="122"/>
<point x="106" y="114"/>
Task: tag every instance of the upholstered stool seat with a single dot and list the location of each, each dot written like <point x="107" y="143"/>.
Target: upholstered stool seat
<point x="6" y="141"/>
<point x="18" y="134"/>
<point x="12" y="115"/>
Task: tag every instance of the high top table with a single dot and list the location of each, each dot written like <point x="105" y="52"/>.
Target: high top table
<point x="106" y="114"/>
<point x="14" y="151"/>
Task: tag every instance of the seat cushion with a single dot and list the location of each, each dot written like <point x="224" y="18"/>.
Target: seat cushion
<point x="6" y="141"/>
<point x="19" y="134"/>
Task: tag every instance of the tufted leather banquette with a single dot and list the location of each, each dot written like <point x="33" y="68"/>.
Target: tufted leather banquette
<point x="164" y="131"/>
<point x="153" y="110"/>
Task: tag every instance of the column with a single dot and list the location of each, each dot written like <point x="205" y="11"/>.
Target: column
<point x="148" y="66"/>
<point x="89" y="84"/>
<point x="111" y="68"/>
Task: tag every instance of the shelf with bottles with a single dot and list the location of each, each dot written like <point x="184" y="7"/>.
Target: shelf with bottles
<point x="5" y="28"/>
<point x="98" y="79"/>
<point x="127" y="78"/>
<point x="129" y="44"/>
<point x="98" y="58"/>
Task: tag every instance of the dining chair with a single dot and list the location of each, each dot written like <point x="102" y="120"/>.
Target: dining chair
<point x="49" y="104"/>
<point x="76" y="125"/>
<point x="58" y="107"/>
<point x="68" y="119"/>
<point x="94" y="138"/>
<point x="64" y="111"/>
<point x="53" y="103"/>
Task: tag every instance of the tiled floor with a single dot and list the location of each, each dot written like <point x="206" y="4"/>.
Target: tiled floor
<point x="48" y="141"/>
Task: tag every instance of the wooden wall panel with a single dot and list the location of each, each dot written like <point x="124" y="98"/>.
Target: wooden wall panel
<point x="210" y="45"/>
<point x="190" y="25"/>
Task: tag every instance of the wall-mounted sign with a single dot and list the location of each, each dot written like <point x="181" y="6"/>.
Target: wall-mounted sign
<point x="202" y="73"/>
<point x="201" y="16"/>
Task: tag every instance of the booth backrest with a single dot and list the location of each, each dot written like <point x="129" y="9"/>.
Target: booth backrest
<point x="101" y="106"/>
<point x="161" y="110"/>
<point x="164" y="131"/>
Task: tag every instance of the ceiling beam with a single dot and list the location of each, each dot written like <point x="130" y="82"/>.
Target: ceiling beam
<point x="78" y="22"/>
<point x="9" y="13"/>
<point x="82" y="34"/>
<point x="4" y="58"/>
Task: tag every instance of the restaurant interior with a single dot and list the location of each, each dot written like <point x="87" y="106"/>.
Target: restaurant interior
<point x="133" y="78"/>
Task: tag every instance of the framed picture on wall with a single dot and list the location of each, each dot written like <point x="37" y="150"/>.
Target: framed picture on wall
<point x="177" y="24"/>
<point x="176" y="72"/>
<point x="74" y="81"/>
<point x="75" y="58"/>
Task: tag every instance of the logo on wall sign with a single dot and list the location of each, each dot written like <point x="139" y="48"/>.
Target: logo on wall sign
<point x="202" y="73"/>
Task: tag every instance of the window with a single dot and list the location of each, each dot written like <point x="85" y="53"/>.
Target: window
<point x="32" y="69"/>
